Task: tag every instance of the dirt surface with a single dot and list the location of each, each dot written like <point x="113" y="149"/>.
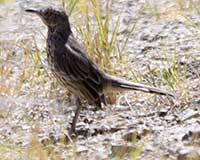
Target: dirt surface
<point x="33" y="105"/>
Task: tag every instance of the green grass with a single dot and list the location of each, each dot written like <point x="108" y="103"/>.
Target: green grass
<point x="169" y="75"/>
<point x="175" y="78"/>
<point x="154" y="9"/>
<point x="5" y="1"/>
<point x="101" y="43"/>
<point x="135" y="154"/>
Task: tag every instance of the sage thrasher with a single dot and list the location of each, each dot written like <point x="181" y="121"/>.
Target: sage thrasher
<point x="74" y="69"/>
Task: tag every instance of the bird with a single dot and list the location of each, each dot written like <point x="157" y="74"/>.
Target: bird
<point x="75" y="70"/>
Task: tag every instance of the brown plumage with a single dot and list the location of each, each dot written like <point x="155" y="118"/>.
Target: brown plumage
<point x="74" y="69"/>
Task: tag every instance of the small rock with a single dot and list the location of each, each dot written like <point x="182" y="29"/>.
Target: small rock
<point x="195" y="134"/>
<point x="169" y="118"/>
<point x="88" y="120"/>
<point x="186" y="137"/>
<point x="188" y="114"/>
<point x="163" y="112"/>
<point x="82" y="125"/>
<point x="82" y="129"/>
<point x="25" y="127"/>
<point x="121" y="108"/>
<point x="192" y="121"/>
<point x="80" y="149"/>
<point x="149" y="147"/>
<point x="189" y="153"/>
<point x="134" y="123"/>
<point x="158" y="128"/>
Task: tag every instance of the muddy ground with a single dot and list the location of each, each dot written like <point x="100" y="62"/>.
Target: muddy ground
<point x="35" y="111"/>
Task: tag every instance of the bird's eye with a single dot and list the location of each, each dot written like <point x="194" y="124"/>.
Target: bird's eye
<point x="48" y="14"/>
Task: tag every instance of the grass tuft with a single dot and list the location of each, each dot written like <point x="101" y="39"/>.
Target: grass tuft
<point x="99" y="33"/>
<point x="169" y="75"/>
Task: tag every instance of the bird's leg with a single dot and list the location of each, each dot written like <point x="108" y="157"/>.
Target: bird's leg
<point x="77" y="112"/>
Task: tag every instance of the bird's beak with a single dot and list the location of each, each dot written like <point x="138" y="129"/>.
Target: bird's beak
<point x="32" y="11"/>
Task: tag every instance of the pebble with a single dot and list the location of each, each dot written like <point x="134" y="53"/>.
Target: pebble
<point x="187" y="153"/>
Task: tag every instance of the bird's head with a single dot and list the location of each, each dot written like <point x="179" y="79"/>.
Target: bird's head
<point x="51" y="17"/>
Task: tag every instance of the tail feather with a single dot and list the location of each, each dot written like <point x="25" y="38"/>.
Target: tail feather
<point x="124" y="84"/>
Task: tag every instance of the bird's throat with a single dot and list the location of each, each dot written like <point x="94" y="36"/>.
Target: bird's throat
<point x="60" y="30"/>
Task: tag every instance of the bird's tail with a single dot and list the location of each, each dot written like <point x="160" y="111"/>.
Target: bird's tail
<point x="118" y="83"/>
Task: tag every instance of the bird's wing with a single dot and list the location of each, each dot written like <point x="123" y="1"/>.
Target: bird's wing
<point x="77" y="63"/>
